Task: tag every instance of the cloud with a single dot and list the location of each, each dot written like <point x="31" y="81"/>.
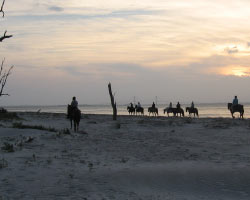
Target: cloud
<point x="231" y="50"/>
<point x="56" y="8"/>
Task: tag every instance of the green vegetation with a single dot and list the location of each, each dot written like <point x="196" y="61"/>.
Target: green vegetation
<point x="64" y="132"/>
<point x="3" y="164"/>
<point x="8" y="147"/>
<point x="8" y="116"/>
<point x="20" y="125"/>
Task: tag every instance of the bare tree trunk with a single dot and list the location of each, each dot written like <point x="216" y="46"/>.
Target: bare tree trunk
<point x="4" y="74"/>
<point x="4" y="36"/>
<point x="113" y="103"/>
<point x="3" y="78"/>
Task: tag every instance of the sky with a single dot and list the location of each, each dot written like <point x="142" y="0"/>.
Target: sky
<point x="178" y="50"/>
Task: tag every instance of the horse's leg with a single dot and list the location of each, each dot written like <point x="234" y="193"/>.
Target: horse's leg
<point x="77" y="126"/>
<point x="232" y="114"/>
<point x="70" y="123"/>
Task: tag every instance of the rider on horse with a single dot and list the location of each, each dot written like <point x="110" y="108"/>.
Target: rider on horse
<point x="153" y="105"/>
<point x="192" y="106"/>
<point x="178" y="106"/>
<point x="74" y="103"/>
<point x="235" y="102"/>
<point x="138" y="105"/>
<point x="131" y="105"/>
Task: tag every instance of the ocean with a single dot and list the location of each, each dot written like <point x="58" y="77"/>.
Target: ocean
<point x="205" y="110"/>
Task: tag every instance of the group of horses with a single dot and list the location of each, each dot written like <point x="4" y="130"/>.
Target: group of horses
<point x="154" y="111"/>
<point x="74" y="114"/>
<point x="180" y="112"/>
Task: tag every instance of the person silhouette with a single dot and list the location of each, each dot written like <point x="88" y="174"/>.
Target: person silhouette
<point x="235" y="101"/>
<point x="178" y="106"/>
<point x="74" y="103"/>
<point x="153" y="105"/>
<point x="192" y="105"/>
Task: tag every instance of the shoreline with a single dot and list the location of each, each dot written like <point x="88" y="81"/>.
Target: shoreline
<point x="124" y="115"/>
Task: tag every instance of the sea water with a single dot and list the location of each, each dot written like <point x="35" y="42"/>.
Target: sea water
<point x="205" y="110"/>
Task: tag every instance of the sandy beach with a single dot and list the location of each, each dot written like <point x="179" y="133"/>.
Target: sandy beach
<point x="131" y="158"/>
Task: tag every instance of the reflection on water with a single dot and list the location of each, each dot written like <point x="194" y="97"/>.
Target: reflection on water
<point x="205" y="110"/>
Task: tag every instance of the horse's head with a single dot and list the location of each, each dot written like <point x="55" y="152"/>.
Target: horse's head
<point x="187" y="108"/>
<point x="229" y="106"/>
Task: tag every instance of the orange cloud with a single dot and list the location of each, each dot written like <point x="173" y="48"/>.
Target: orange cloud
<point x="240" y="71"/>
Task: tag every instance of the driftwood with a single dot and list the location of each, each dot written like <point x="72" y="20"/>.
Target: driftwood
<point x="113" y="103"/>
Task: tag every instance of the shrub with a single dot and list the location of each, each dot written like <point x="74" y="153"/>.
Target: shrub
<point x="20" y="125"/>
<point x="9" y="116"/>
<point x="3" y="164"/>
<point x="8" y="147"/>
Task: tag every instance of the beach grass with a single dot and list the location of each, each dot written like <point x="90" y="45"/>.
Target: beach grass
<point x="20" y="125"/>
<point x="8" y="116"/>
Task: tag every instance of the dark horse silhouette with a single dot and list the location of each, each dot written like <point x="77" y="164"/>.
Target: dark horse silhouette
<point x="237" y="108"/>
<point x="131" y="110"/>
<point x="168" y="110"/>
<point x="192" y="110"/>
<point x="152" y="110"/>
<point x="175" y="111"/>
<point x="74" y="114"/>
<point x="139" y="110"/>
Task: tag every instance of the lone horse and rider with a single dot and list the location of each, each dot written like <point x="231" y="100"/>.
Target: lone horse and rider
<point x="131" y="109"/>
<point x="236" y="107"/>
<point x="74" y="114"/>
<point x="192" y="109"/>
<point x="139" y="109"/>
<point x="153" y="110"/>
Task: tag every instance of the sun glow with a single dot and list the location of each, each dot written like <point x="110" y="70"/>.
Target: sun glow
<point x="235" y="71"/>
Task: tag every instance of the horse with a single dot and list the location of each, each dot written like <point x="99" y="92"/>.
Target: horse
<point x="131" y="110"/>
<point x="236" y="108"/>
<point x="168" y="110"/>
<point x="153" y="110"/>
<point x="74" y="114"/>
<point x="192" y="110"/>
<point x="139" y="110"/>
<point x="175" y="111"/>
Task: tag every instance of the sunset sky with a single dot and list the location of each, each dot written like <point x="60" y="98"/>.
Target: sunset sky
<point x="176" y="50"/>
